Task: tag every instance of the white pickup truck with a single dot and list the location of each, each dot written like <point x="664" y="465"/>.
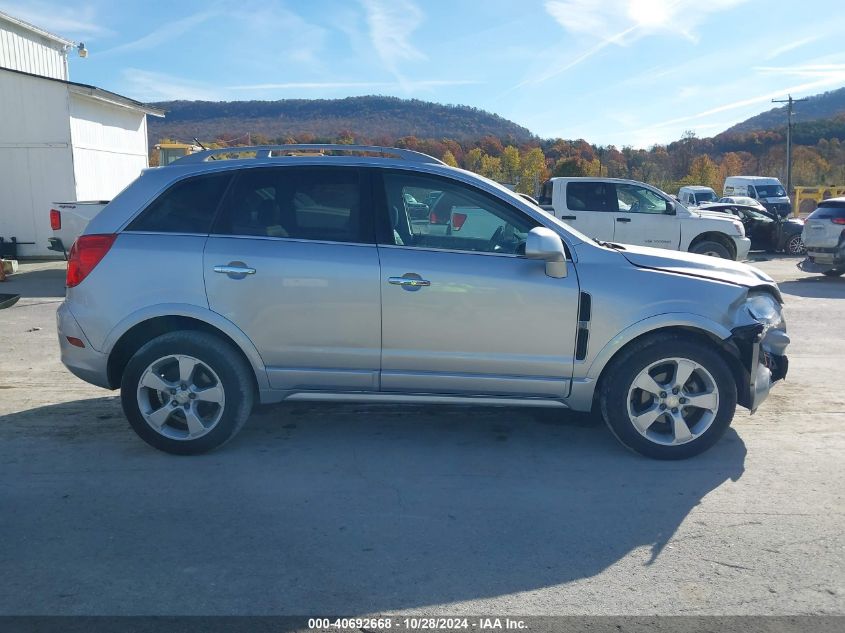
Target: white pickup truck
<point x="68" y="220"/>
<point x="631" y="212"/>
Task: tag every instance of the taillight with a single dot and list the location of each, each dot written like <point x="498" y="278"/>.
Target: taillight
<point x="458" y="220"/>
<point x="84" y="255"/>
<point x="838" y="220"/>
<point x="432" y="217"/>
<point x="55" y="219"/>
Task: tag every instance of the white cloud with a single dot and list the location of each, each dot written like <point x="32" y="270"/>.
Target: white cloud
<point x="339" y="85"/>
<point x="169" y="32"/>
<point x="390" y="26"/>
<point x="623" y="22"/>
<point x="146" y="85"/>
<point x="791" y="46"/>
<point x="76" y="21"/>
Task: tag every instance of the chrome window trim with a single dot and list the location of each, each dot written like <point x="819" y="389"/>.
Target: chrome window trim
<point x="453" y="250"/>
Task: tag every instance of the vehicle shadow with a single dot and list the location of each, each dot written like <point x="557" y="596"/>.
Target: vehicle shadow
<point x="49" y="282"/>
<point x="815" y="287"/>
<point x="317" y="509"/>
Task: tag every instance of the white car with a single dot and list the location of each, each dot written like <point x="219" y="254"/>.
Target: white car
<point x="743" y="200"/>
<point x="631" y="212"/>
<point x="692" y="196"/>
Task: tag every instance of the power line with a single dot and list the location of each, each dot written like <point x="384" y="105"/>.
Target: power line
<point x="789" y="101"/>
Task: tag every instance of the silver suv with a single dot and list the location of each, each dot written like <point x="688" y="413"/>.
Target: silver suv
<point x="370" y="274"/>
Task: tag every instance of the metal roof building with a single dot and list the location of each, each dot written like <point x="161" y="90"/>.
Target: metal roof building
<point x="60" y="141"/>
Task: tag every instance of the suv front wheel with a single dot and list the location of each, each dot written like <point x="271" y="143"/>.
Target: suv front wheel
<point x="668" y="398"/>
<point x="187" y="392"/>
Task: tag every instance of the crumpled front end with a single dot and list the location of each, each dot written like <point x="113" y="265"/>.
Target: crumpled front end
<point x="761" y="340"/>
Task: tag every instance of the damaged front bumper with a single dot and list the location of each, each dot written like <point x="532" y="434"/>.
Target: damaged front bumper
<point x="762" y="352"/>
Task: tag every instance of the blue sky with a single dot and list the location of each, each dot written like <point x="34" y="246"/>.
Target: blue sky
<point x="618" y="72"/>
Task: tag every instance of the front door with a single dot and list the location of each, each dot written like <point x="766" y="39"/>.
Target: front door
<point x="292" y="262"/>
<point x="644" y="218"/>
<point x="463" y="312"/>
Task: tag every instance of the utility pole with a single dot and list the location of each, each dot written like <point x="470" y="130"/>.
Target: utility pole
<point x="789" y="101"/>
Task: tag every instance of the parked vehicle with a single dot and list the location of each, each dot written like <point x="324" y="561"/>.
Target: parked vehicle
<point x="743" y="200"/>
<point x="68" y="220"/>
<point x="693" y="196"/>
<point x="768" y="191"/>
<point x="824" y="238"/>
<point x="767" y="230"/>
<point x="208" y="285"/>
<point x="631" y="212"/>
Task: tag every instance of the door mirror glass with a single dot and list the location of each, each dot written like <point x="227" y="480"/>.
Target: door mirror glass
<point x="543" y="243"/>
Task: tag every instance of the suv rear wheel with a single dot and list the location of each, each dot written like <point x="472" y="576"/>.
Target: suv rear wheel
<point x="668" y="398"/>
<point x="186" y="392"/>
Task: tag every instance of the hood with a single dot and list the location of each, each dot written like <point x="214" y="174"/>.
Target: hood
<point x="702" y="266"/>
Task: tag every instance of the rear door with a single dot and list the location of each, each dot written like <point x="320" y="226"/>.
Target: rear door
<point x="463" y="312"/>
<point x="588" y="206"/>
<point x="644" y="218"/>
<point x="292" y="262"/>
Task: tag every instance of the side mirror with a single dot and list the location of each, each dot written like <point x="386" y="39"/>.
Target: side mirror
<point x="671" y="208"/>
<point x="545" y="244"/>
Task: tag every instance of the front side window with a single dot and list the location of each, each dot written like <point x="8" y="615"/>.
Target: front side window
<point x="186" y="207"/>
<point x="430" y="212"/>
<point x="313" y="203"/>
<point x="636" y="199"/>
<point x="587" y="196"/>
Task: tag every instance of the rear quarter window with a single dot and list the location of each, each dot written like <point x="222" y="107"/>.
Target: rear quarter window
<point x="187" y="206"/>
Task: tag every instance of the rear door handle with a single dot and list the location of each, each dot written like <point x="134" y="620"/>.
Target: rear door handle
<point x="623" y="219"/>
<point x="568" y="217"/>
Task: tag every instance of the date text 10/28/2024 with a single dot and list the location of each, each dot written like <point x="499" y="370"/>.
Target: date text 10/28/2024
<point x="416" y="624"/>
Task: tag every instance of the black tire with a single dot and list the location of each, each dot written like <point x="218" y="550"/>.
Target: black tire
<point x="624" y="369"/>
<point x="836" y="272"/>
<point x="235" y="377"/>
<point x="714" y="249"/>
<point x="794" y="245"/>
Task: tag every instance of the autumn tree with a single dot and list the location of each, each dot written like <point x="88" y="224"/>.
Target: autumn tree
<point x="491" y="167"/>
<point x="472" y="160"/>
<point x="510" y="164"/>
<point x="703" y="171"/>
<point x="532" y="171"/>
<point x="449" y="158"/>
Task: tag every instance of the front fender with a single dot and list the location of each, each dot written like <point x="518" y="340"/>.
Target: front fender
<point x="656" y="322"/>
<point x="201" y="314"/>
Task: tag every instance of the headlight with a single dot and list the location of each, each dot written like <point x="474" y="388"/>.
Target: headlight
<point x="739" y="227"/>
<point x="765" y="309"/>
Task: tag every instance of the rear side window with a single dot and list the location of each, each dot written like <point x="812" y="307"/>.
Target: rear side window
<point x="829" y="211"/>
<point x="587" y="196"/>
<point x="313" y="203"/>
<point x="186" y="207"/>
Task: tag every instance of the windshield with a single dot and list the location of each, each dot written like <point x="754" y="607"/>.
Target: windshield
<point x="705" y="196"/>
<point x="770" y="191"/>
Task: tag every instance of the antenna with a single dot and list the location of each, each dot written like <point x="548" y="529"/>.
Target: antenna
<point x="789" y="101"/>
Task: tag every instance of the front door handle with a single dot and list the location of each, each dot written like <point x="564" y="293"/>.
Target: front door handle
<point x="409" y="281"/>
<point x="623" y="219"/>
<point x="235" y="270"/>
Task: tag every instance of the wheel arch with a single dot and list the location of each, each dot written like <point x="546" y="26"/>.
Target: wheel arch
<point x="128" y="337"/>
<point x="691" y="326"/>
<point x="714" y="236"/>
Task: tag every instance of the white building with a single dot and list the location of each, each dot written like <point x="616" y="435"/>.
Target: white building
<point x="60" y="141"/>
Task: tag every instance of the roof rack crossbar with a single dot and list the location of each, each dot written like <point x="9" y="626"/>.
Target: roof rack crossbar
<point x="265" y="151"/>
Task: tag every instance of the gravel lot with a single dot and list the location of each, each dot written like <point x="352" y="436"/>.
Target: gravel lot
<point x="347" y="509"/>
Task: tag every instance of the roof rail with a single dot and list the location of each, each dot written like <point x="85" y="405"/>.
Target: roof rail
<point x="265" y="151"/>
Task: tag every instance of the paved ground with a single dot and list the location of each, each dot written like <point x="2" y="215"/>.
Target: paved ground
<point x="365" y="509"/>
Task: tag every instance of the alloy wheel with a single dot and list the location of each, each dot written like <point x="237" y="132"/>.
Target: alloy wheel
<point x="673" y="401"/>
<point x="180" y="397"/>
